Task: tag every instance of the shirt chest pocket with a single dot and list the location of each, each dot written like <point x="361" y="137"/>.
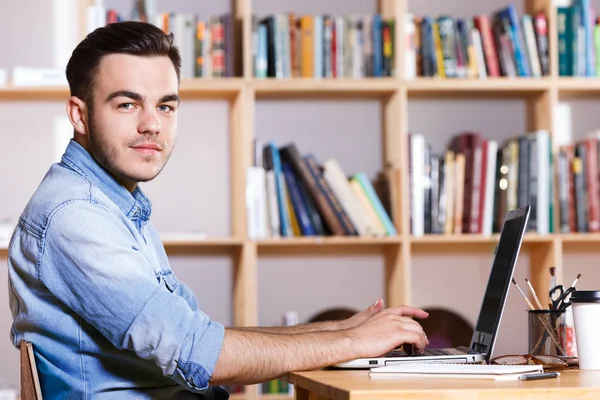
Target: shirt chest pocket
<point x="168" y="278"/>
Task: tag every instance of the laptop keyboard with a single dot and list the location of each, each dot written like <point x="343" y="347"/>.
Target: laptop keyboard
<point x="427" y="352"/>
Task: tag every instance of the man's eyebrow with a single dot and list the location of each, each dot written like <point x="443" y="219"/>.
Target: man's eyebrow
<point x="169" y="97"/>
<point x="125" y="93"/>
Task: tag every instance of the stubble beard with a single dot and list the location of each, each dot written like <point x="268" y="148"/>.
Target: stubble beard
<point x="107" y="154"/>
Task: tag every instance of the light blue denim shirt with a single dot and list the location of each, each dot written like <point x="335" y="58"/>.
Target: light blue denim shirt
<point x="91" y="287"/>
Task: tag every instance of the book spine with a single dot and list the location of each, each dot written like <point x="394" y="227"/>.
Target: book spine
<point x="374" y="200"/>
<point x="582" y="189"/>
<point x="435" y="194"/>
<point x="476" y="191"/>
<point x="482" y="187"/>
<point x="579" y="191"/>
<point x="297" y="203"/>
<point x="377" y="46"/>
<point x="305" y="174"/>
<point x="515" y="33"/>
<point x="284" y="218"/>
<point x="563" y="190"/>
<point x="334" y="203"/>
<point x="318" y="46"/>
<point x="541" y="37"/>
<point x="565" y="64"/>
<point x="523" y="175"/>
<point x="534" y="164"/>
<point x="426" y="179"/>
<point x="591" y="169"/>
<point x="534" y="59"/>
<point x="482" y="23"/>
<point x="448" y="45"/>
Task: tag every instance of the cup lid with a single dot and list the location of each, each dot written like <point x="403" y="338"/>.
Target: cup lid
<point x="585" y="296"/>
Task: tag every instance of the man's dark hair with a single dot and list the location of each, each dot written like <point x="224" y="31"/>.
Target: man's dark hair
<point x="128" y="37"/>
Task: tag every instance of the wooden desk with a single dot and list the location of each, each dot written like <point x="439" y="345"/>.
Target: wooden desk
<point x="357" y="385"/>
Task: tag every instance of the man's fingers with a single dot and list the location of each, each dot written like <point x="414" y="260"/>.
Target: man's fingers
<point x="408" y="311"/>
<point x="413" y="342"/>
<point x="412" y="326"/>
<point x="377" y="306"/>
<point x="415" y="333"/>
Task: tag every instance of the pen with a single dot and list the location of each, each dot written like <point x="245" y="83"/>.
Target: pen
<point x="541" y="375"/>
<point x="534" y="295"/>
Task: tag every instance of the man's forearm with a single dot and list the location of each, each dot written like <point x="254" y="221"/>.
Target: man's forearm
<point x="251" y="357"/>
<point x="296" y="329"/>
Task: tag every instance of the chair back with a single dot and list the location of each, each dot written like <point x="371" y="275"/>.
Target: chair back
<point x="30" y="383"/>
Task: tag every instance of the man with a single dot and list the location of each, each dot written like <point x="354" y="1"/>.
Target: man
<point x="90" y="283"/>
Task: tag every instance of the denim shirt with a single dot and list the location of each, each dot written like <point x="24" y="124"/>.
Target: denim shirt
<point x="91" y="287"/>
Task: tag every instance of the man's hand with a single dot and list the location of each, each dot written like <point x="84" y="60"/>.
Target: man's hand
<point x="377" y="307"/>
<point x="387" y="330"/>
<point x="362" y="316"/>
<point x="249" y="357"/>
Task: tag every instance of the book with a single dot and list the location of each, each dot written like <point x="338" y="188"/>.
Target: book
<point x="469" y="371"/>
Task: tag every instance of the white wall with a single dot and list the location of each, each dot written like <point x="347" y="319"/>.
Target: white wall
<point x="192" y="193"/>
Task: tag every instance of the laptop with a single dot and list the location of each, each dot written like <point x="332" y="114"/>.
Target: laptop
<point x="490" y="314"/>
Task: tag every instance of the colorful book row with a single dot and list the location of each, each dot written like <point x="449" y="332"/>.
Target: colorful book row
<point x="323" y="46"/>
<point x="470" y="186"/>
<point x="503" y="44"/>
<point x="289" y="194"/>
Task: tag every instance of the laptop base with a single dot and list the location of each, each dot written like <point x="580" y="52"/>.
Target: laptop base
<point x="459" y="355"/>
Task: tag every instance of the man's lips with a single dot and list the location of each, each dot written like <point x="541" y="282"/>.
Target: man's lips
<point x="147" y="147"/>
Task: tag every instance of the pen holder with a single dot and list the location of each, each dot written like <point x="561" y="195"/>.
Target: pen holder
<point x="548" y="332"/>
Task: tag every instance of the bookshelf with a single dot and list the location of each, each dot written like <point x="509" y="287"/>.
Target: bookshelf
<point x="228" y="88"/>
<point x="540" y="94"/>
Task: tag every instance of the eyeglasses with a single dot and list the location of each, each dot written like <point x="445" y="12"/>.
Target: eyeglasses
<point x="527" y="359"/>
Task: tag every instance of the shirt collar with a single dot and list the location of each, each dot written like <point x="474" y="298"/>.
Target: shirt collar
<point x="135" y="205"/>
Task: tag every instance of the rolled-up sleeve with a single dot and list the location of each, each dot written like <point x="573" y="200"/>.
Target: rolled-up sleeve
<point x="90" y="263"/>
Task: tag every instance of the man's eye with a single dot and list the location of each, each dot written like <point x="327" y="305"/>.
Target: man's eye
<point x="126" y="105"/>
<point x="165" y="108"/>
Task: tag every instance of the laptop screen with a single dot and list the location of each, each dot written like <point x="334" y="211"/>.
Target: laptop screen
<point x="500" y="278"/>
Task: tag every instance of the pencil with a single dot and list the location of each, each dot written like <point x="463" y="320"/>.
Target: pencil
<point x="523" y="294"/>
<point x="534" y="295"/>
<point x="552" y="285"/>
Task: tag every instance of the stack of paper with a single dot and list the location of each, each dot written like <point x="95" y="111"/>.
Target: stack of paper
<point x="471" y="371"/>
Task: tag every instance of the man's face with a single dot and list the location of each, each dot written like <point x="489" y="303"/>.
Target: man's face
<point x="133" y="124"/>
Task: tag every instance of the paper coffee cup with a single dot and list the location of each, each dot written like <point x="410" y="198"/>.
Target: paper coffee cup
<point x="586" y="316"/>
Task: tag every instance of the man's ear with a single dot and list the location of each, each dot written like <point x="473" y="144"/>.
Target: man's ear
<point x="77" y="113"/>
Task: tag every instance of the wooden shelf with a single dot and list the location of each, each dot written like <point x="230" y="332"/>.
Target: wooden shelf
<point x="446" y="244"/>
<point x="581" y="238"/>
<point x="227" y="88"/>
<point x="328" y="244"/>
<point x="216" y="88"/>
<point x="197" y="239"/>
<point x="366" y="87"/>
<point x="191" y="243"/>
<point x="34" y="93"/>
<point x="476" y="239"/>
<point x="581" y="241"/>
<point x="578" y="86"/>
<point x="496" y="87"/>
<point x="201" y="88"/>
<point x="328" y="241"/>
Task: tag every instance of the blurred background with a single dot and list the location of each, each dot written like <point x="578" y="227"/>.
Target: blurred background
<point x="192" y="195"/>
